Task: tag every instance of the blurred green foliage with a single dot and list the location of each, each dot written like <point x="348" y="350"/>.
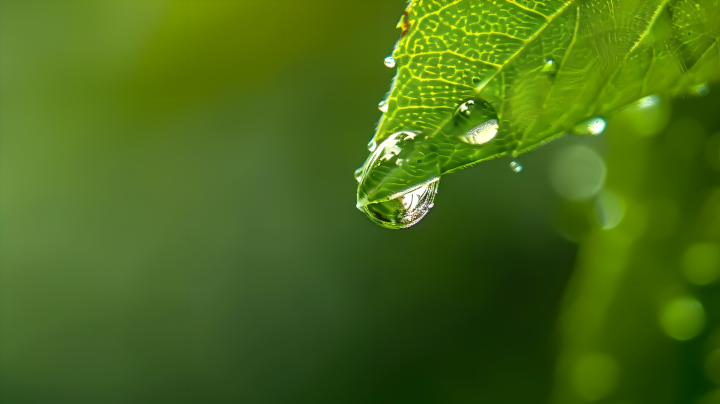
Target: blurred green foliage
<point x="177" y="224"/>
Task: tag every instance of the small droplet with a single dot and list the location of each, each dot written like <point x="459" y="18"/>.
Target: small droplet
<point x="390" y="61"/>
<point x="383" y="106"/>
<point x="372" y="146"/>
<point x="549" y="66"/>
<point x="482" y="133"/>
<point x="591" y="126"/>
<point x="701" y="89"/>
<point x="358" y="174"/>
<point x="516" y="167"/>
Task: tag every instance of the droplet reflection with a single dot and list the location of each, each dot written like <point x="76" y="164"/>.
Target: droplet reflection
<point x="482" y="133"/>
<point x="466" y="107"/>
<point x="516" y="167"/>
<point x="404" y="209"/>
<point x="648" y="102"/>
<point x="390" y="61"/>
<point x="591" y="126"/>
<point x="383" y="106"/>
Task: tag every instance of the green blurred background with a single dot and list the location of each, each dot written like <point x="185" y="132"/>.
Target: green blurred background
<point x="178" y="224"/>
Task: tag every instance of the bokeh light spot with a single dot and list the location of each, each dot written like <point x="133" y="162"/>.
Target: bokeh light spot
<point x="712" y="366"/>
<point x="609" y="209"/>
<point x="683" y="318"/>
<point x="578" y="173"/>
<point x="701" y="263"/>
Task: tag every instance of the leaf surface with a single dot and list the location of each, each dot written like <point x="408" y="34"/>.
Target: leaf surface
<point x="538" y="67"/>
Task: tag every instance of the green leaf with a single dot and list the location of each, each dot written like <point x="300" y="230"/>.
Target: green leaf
<point x="531" y="70"/>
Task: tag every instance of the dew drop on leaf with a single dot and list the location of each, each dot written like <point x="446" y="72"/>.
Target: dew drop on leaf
<point x="591" y="126"/>
<point x="358" y="174"/>
<point x="476" y="122"/>
<point x="405" y="209"/>
<point x="383" y="106"/>
<point x="390" y="61"/>
<point x="549" y="65"/>
<point x="372" y="146"/>
<point x="516" y="167"/>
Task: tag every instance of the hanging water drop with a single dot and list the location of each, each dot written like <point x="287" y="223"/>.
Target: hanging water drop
<point x="516" y="167"/>
<point x="549" y="65"/>
<point x="372" y="146"/>
<point x="591" y="126"/>
<point x="404" y="209"/>
<point x="701" y="89"/>
<point x="390" y="61"/>
<point x="383" y="106"/>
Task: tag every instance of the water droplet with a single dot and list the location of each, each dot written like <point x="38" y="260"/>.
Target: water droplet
<point x="404" y="209"/>
<point x="476" y="122"/>
<point x="390" y="61"/>
<point x="701" y="89"/>
<point x="591" y="126"/>
<point x="358" y="174"/>
<point x="516" y="167"/>
<point x="372" y="146"/>
<point x="549" y="65"/>
<point x="383" y="106"/>
<point x="482" y="133"/>
<point x="683" y="318"/>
